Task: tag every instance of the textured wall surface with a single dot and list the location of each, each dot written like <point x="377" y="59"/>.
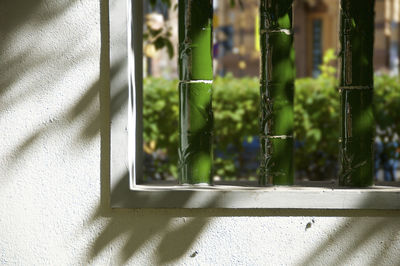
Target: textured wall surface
<point x="54" y="115"/>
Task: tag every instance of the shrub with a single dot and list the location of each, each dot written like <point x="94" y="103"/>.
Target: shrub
<point x="236" y="107"/>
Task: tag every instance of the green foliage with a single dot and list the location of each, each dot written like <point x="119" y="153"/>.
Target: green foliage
<point x="387" y="106"/>
<point x="328" y="71"/>
<point x="236" y="104"/>
<point x="316" y="127"/>
<point x="236" y="112"/>
<point x="160" y="121"/>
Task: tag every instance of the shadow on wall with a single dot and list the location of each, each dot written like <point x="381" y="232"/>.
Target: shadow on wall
<point x="357" y="239"/>
<point x="121" y="223"/>
<point x="134" y="225"/>
<point x="140" y="226"/>
<point x="13" y="15"/>
<point x="174" y="232"/>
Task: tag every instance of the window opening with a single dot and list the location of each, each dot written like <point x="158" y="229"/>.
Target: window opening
<point x="239" y="159"/>
<point x="316" y="47"/>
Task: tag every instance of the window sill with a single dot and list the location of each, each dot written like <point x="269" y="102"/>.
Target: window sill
<point x="239" y="197"/>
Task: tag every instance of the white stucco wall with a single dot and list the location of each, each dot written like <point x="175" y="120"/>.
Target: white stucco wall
<point x="54" y="152"/>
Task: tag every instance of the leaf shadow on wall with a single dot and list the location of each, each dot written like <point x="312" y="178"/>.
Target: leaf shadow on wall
<point x="137" y="228"/>
<point x="173" y="233"/>
<point x="13" y="16"/>
<point x="372" y="237"/>
<point x="29" y="67"/>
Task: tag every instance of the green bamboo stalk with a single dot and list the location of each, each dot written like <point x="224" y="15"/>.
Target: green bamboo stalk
<point x="277" y="92"/>
<point x="195" y="91"/>
<point x="356" y="92"/>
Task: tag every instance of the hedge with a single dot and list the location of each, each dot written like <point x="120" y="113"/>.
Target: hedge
<point x="236" y="113"/>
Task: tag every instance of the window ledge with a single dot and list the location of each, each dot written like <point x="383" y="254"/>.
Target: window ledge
<point x="236" y="197"/>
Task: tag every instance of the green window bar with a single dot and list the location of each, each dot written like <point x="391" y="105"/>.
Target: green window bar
<point x="356" y="92"/>
<point x="195" y="91"/>
<point x="277" y="91"/>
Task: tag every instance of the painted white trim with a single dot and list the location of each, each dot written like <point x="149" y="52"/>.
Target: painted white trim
<point x="235" y="197"/>
<point x="132" y="114"/>
<point x="125" y="170"/>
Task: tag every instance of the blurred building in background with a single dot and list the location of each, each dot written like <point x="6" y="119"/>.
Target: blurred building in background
<point x="316" y="29"/>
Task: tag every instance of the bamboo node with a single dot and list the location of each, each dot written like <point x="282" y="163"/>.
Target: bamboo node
<point x="286" y="31"/>
<point x="356" y="88"/>
<point x="277" y="137"/>
<point x="197" y="81"/>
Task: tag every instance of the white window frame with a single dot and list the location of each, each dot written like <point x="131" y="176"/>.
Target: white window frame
<point x="126" y="146"/>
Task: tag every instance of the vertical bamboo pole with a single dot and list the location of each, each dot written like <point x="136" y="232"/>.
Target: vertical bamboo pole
<point x="276" y="89"/>
<point x="356" y="92"/>
<point x="195" y="91"/>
